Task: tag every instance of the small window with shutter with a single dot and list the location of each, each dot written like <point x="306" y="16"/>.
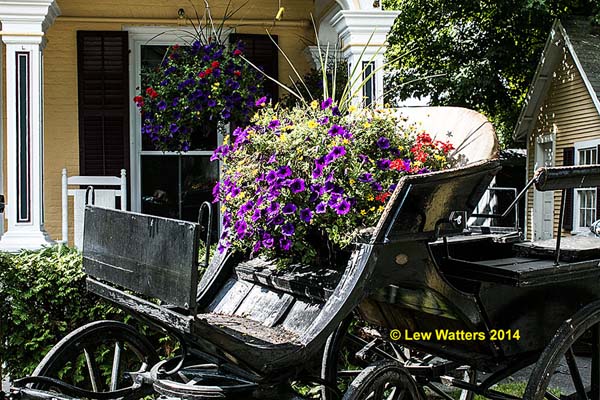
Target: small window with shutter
<point x="103" y="94"/>
<point x="585" y="200"/>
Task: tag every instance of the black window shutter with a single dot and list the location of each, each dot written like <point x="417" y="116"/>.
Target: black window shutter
<point x="103" y="90"/>
<point x="263" y="53"/>
<point x="568" y="159"/>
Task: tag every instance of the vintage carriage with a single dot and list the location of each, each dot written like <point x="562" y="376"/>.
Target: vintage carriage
<point x="247" y="330"/>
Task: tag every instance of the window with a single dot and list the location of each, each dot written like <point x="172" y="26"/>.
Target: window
<point x="171" y="184"/>
<point x="585" y="201"/>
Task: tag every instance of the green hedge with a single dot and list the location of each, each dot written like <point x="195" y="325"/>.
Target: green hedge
<point x="42" y="298"/>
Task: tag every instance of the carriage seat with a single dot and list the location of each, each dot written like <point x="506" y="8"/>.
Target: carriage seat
<point x="572" y="248"/>
<point x="520" y="271"/>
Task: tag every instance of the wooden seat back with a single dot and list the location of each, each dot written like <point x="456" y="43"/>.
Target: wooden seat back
<point x="152" y="256"/>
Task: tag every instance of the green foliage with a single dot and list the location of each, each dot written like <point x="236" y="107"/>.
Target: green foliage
<point x="42" y="298"/>
<point x="479" y="54"/>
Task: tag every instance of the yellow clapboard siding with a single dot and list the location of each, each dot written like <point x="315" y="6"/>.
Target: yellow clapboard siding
<point x="569" y="113"/>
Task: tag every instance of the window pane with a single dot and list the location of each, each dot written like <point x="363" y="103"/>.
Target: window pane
<point x="198" y="177"/>
<point x="160" y="188"/>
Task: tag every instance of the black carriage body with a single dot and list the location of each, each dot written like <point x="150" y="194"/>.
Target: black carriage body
<point x="267" y="326"/>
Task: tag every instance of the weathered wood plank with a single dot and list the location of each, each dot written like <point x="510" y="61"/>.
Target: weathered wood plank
<point x="264" y="306"/>
<point x="179" y="322"/>
<point x="230" y="297"/>
<point x="154" y="256"/>
<point x="301" y="316"/>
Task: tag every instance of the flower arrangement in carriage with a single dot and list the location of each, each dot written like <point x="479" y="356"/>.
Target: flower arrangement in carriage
<point x="196" y="87"/>
<point x="298" y="181"/>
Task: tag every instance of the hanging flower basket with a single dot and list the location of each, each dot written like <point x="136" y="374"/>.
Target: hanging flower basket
<point x="298" y="181"/>
<point x="194" y="88"/>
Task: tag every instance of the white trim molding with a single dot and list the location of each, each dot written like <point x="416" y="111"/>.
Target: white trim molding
<point x="362" y="35"/>
<point x="24" y="23"/>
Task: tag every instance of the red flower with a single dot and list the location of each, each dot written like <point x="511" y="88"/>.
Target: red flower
<point x="139" y="100"/>
<point x="421" y="156"/>
<point x="237" y="73"/>
<point x="382" y="197"/>
<point x="445" y="146"/>
<point x="424" y="138"/>
<point x="215" y="64"/>
<point x="175" y="46"/>
<point x="201" y="74"/>
<point x="208" y="71"/>
<point x="396" y="165"/>
<point x="237" y="52"/>
<point x="151" y="92"/>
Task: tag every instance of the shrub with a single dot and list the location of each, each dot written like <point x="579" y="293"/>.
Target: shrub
<point x="42" y="298"/>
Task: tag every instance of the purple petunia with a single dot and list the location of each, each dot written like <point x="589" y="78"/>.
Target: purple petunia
<point x="365" y="178"/>
<point x="278" y="220"/>
<point x="343" y="207"/>
<point x="240" y="227"/>
<point x="261" y="102"/>
<point x="289" y="208"/>
<point x="267" y="240"/>
<point x="376" y="186"/>
<point x="288" y="229"/>
<point x="256" y="215"/>
<point x="336" y="130"/>
<point x="271" y="176"/>
<point x="383" y="164"/>
<point x="273" y="208"/>
<point x="383" y="143"/>
<point x="162" y="105"/>
<point x="305" y="215"/>
<point x="321" y="208"/>
<point x="284" y="171"/>
<point x="326" y="103"/>
<point x="274" y="124"/>
<point x="297" y="186"/>
<point x="285" y="244"/>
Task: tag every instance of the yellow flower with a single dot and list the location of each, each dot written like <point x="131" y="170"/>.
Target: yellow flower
<point x="223" y="208"/>
<point x="372" y="208"/>
<point x="314" y="104"/>
<point x="312" y="124"/>
<point x="367" y="125"/>
<point x="242" y="195"/>
<point x="352" y="108"/>
<point x="370" y="197"/>
<point x="226" y="139"/>
<point x="282" y="137"/>
<point x="345" y="141"/>
<point x="438" y="157"/>
<point x="400" y="148"/>
<point x="363" y="212"/>
<point x="352" y="181"/>
<point x="216" y="84"/>
<point x="380" y="209"/>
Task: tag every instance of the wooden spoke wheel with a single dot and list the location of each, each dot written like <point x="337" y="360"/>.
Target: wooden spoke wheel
<point x="352" y="347"/>
<point x="562" y="371"/>
<point x="385" y="380"/>
<point x="98" y="358"/>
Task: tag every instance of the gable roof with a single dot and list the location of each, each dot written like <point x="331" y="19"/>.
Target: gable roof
<point x="577" y="36"/>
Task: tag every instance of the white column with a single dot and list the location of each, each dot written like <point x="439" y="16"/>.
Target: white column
<point x="362" y="34"/>
<point x="24" y="23"/>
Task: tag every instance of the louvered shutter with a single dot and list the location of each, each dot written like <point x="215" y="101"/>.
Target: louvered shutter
<point x="262" y="52"/>
<point x="102" y="60"/>
<point x="568" y="159"/>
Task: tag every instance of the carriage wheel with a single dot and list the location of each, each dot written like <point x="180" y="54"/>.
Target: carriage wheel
<point x="349" y="350"/>
<point x="385" y="380"/>
<point x="98" y="357"/>
<point x="559" y="360"/>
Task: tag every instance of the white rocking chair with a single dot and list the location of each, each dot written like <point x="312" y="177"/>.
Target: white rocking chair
<point x="101" y="197"/>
